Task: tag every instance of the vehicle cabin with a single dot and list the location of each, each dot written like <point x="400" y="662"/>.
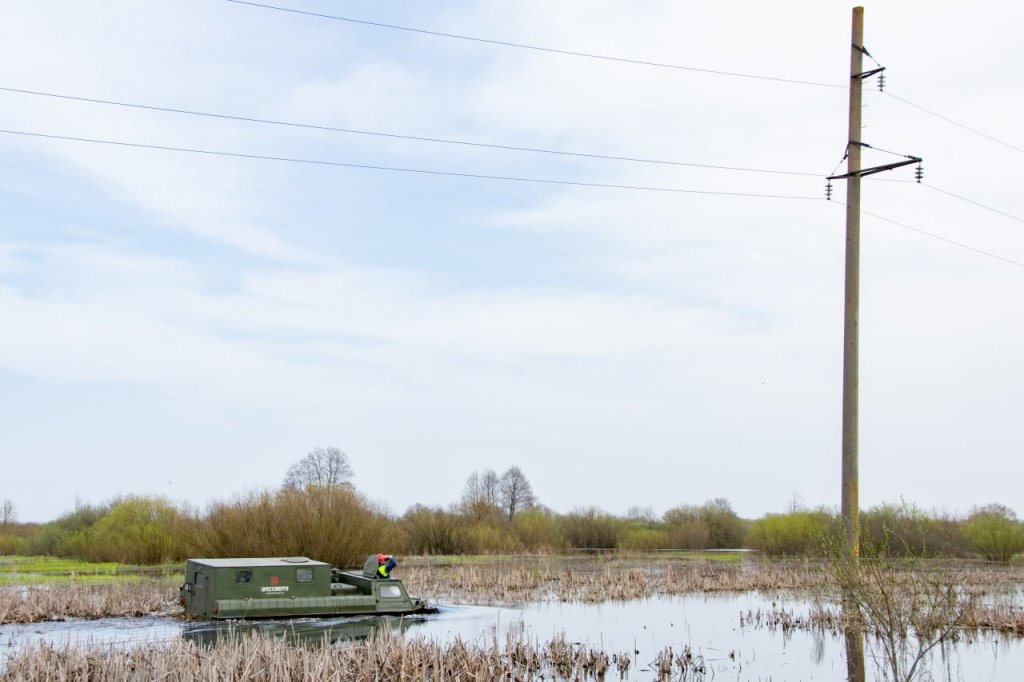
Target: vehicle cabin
<point x="287" y="587"/>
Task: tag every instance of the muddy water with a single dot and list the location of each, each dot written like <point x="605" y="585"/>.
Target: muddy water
<point x="709" y="625"/>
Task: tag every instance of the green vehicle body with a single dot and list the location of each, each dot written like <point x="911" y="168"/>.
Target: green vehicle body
<point x="288" y="587"/>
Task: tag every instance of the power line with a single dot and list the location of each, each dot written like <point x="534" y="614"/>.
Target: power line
<point x="982" y="252"/>
<point x="972" y="201"/>
<point x="417" y="138"/>
<point x="537" y="48"/>
<point x="422" y="171"/>
<point x="1019" y="264"/>
<point x="949" y="120"/>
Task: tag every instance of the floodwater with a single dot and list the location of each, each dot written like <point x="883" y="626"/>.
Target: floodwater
<point x="709" y="624"/>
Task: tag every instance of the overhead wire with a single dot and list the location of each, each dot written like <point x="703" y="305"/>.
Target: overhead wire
<point x="319" y="162"/>
<point x="512" y="147"/>
<point x="972" y="201"/>
<point x="937" y="115"/>
<point x="400" y="136"/>
<point x="538" y="48"/>
<point x="966" y="127"/>
<point x="627" y="60"/>
<point x="947" y="240"/>
<point x="865" y="145"/>
<point x="422" y="171"/>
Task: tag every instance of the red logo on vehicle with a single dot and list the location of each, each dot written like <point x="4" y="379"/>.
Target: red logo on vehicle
<point x="274" y="580"/>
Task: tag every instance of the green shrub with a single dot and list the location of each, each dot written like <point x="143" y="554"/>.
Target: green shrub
<point x="538" y="530"/>
<point x="14" y="537"/>
<point x="592" y="528"/>
<point x="901" y="530"/>
<point x="726" y="530"/>
<point x="329" y="523"/>
<point x="484" y="538"/>
<point x="45" y="541"/>
<point x="63" y="536"/>
<point x="686" y="528"/>
<point x="429" y="530"/>
<point x="994" y="532"/>
<point x="10" y="544"/>
<point x="800" y="533"/>
<point x="136" y="530"/>
<point x="644" y="539"/>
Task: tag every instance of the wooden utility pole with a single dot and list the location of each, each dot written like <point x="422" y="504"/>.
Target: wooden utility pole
<point x="850" y="506"/>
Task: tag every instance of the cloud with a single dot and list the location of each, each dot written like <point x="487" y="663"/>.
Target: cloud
<point x="656" y="348"/>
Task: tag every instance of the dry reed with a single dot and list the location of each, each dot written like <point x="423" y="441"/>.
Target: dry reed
<point x="597" y="580"/>
<point x="380" y="659"/>
<point x="594" y="580"/>
<point x="504" y="581"/>
<point x="1007" y="619"/>
<point x="58" y="602"/>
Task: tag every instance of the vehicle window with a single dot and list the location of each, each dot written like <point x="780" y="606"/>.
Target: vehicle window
<point x="200" y="580"/>
<point x="304" y="575"/>
<point x="390" y="591"/>
<point x="243" y="577"/>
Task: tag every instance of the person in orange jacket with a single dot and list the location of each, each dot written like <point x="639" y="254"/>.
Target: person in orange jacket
<point x="385" y="564"/>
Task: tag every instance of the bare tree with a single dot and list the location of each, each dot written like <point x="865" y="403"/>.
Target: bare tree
<point x="642" y="516"/>
<point x="8" y="515"/>
<point x="480" y="495"/>
<point x="515" y="493"/>
<point x="726" y="529"/>
<point x="481" y="488"/>
<point x="325" y="467"/>
<point x="909" y="608"/>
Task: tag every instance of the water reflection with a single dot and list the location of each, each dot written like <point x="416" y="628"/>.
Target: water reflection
<point x="301" y="631"/>
<point x="854" y="655"/>
<point x="853" y="635"/>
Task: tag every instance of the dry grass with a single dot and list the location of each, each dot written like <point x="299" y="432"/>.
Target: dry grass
<point x="1004" y="618"/>
<point x="381" y="659"/>
<point x="57" y="602"/>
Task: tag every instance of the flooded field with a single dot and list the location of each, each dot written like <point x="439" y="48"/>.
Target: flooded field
<point x="673" y="617"/>
<point x="726" y="636"/>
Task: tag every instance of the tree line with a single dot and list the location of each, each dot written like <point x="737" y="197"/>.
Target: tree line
<point x="318" y="512"/>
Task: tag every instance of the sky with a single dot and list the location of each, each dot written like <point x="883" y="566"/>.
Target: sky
<point x="190" y="324"/>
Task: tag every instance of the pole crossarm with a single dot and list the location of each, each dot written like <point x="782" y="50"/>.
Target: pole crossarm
<point x="876" y="169"/>
<point x="868" y="74"/>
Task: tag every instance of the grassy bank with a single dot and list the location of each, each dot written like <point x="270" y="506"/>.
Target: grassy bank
<point x="35" y="589"/>
<point x="43" y="570"/>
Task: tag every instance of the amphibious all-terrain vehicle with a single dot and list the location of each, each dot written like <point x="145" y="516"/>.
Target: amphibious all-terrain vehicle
<point x="289" y="587"/>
